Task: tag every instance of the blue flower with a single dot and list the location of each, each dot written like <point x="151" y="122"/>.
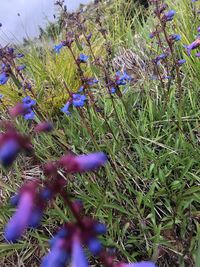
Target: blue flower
<point x="65" y="109"/>
<point x="169" y="15"/>
<point x="81" y="89"/>
<point x="181" y="61"/>
<point x="58" y="47"/>
<point x="92" y="81"/>
<point x="78" y="256"/>
<point x="78" y="100"/>
<point x="30" y="115"/>
<point x="122" y="78"/>
<point x="175" y="37"/>
<point x="8" y="152"/>
<point x="1" y="96"/>
<point x="28" y="102"/>
<point x="3" y="78"/>
<point x="83" y="58"/>
<point x="160" y="57"/>
<point x="94" y="246"/>
<point x="22" y="67"/>
<point x="113" y="90"/>
<point x="19" y="55"/>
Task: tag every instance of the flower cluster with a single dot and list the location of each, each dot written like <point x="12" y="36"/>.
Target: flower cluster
<point x="11" y="144"/>
<point x="76" y="100"/>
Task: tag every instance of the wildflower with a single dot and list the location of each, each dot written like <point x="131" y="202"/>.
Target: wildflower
<point x="3" y="78"/>
<point x="78" y="100"/>
<point x="78" y="256"/>
<point x="22" y="67"/>
<point x="58" y="47"/>
<point x="29" y="115"/>
<point x="8" y="151"/>
<point x="113" y="90"/>
<point x="181" y="61"/>
<point x="94" y="246"/>
<point x="175" y="37"/>
<point x="28" y="102"/>
<point x="43" y="127"/>
<point x="160" y="57"/>
<point x="83" y="58"/>
<point x="197" y="54"/>
<point x="92" y="81"/>
<point x="1" y="96"/>
<point x="169" y="15"/>
<point x="88" y="37"/>
<point x="81" y="89"/>
<point x="122" y="78"/>
<point x="18" y="109"/>
<point x="65" y="109"/>
<point x="19" y="55"/>
<point x="193" y="45"/>
<point x="20" y="220"/>
<point x="83" y="163"/>
<point x="58" y="255"/>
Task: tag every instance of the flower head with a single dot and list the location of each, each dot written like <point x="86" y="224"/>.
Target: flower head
<point x="78" y="100"/>
<point x="169" y="15"/>
<point x="21" y="67"/>
<point x="83" y="163"/>
<point x="3" y="78"/>
<point x="83" y="58"/>
<point x="28" y="102"/>
<point x="193" y="45"/>
<point x="65" y="109"/>
<point x="30" y="115"/>
<point x="58" y="47"/>
<point x="8" y="151"/>
<point x="181" y="62"/>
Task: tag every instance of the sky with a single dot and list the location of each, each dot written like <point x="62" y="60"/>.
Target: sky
<point x="32" y="13"/>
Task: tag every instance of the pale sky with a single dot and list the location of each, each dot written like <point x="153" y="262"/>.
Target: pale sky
<point x="32" y="13"/>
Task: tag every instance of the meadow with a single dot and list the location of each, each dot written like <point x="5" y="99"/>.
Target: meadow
<point x="123" y="80"/>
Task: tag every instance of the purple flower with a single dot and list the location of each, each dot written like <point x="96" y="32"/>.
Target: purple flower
<point x="113" y="90"/>
<point x="94" y="246"/>
<point x="78" y="100"/>
<point x="83" y="163"/>
<point x="175" y="37"/>
<point x="65" y="109"/>
<point x="160" y="57"/>
<point x="3" y="78"/>
<point x="19" y="55"/>
<point x="78" y="256"/>
<point x="28" y="102"/>
<point x="100" y="228"/>
<point x="193" y="45"/>
<point x="35" y="218"/>
<point x="57" y="256"/>
<point x="29" y="115"/>
<point x="197" y="54"/>
<point x="8" y="152"/>
<point x="122" y="78"/>
<point x="22" y="67"/>
<point x="169" y="15"/>
<point x="92" y="81"/>
<point x="20" y="220"/>
<point x="181" y="61"/>
<point x="83" y="58"/>
<point x="1" y="96"/>
<point x="58" y="47"/>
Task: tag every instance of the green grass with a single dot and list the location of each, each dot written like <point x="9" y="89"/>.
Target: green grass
<point x="148" y="195"/>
